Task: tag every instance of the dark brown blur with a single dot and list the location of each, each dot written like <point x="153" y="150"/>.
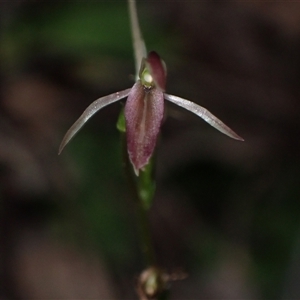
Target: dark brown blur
<point x="225" y="212"/>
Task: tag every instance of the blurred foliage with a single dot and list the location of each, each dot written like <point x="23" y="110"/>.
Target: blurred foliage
<point x="231" y="209"/>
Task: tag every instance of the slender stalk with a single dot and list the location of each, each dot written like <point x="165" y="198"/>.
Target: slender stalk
<point x="141" y="211"/>
<point x="139" y="47"/>
<point x="142" y="186"/>
<point x="142" y="191"/>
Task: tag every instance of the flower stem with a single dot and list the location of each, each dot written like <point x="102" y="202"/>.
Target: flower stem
<point x="142" y="186"/>
<point x="140" y="207"/>
<point x="142" y="190"/>
<point x="139" y="47"/>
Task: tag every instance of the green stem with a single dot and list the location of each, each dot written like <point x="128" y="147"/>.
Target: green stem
<point x="141" y="209"/>
<point x="139" y="47"/>
<point x="142" y="186"/>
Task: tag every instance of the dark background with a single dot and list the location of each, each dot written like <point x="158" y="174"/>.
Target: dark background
<point x="226" y="212"/>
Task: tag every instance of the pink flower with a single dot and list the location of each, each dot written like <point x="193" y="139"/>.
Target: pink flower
<point x="144" y="110"/>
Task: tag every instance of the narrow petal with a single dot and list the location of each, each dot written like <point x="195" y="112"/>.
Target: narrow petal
<point x="204" y="114"/>
<point x="144" y="111"/>
<point x="89" y="112"/>
<point x="157" y="69"/>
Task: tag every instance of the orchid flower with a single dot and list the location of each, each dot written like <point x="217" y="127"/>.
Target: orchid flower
<point x="144" y="110"/>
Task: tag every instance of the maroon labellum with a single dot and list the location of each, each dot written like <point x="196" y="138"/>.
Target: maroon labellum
<point x="144" y="111"/>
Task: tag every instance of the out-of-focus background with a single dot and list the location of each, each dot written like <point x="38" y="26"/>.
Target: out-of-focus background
<point x="226" y="212"/>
